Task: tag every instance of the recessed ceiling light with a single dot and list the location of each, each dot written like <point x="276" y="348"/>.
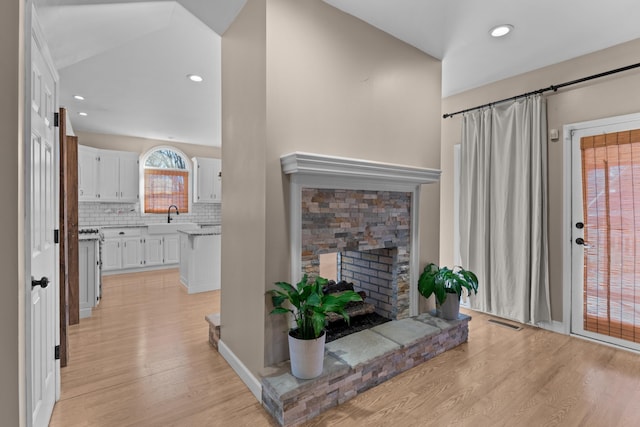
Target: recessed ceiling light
<point x="83" y="114"/>
<point x="501" y="30"/>
<point x="78" y="97"/>
<point x="195" y="78"/>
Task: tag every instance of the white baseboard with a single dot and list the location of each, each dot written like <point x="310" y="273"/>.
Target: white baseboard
<point x="245" y="374"/>
<point x="554" y="326"/>
<point x="139" y="269"/>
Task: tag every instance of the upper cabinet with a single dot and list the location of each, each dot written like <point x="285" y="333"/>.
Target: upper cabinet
<point x="87" y="173"/>
<point x="107" y="175"/>
<point x="207" y="180"/>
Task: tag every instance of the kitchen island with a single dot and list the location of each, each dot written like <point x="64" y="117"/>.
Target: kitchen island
<point x="200" y="259"/>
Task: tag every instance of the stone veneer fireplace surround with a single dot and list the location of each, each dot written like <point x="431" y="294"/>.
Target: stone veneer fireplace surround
<point x="316" y="171"/>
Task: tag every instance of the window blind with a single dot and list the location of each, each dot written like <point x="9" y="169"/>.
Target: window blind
<point x="163" y="188"/>
<point x="611" y="209"/>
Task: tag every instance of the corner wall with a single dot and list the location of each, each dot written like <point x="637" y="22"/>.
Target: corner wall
<point x="338" y="86"/>
<point x="242" y="314"/>
<point x="299" y="75"/>
<point x="606" y="97"/>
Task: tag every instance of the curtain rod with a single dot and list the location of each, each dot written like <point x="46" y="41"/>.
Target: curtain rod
<point x="547" y="89"/>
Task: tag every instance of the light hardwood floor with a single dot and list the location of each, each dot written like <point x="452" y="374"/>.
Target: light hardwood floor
<point x="143" y="359"/>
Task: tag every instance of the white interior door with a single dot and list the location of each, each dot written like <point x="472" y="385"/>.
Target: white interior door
<point x="42" y="321"/>
<point x="605" y="236"/>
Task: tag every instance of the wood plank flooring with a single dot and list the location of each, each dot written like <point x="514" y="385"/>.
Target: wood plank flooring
<point x="143" y="359"/>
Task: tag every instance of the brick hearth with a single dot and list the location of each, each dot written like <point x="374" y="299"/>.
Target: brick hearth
<point x="358" y="362"/>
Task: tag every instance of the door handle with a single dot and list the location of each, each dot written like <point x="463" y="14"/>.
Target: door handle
<point x="580" y="241"/>
<point x="44" y="282"/>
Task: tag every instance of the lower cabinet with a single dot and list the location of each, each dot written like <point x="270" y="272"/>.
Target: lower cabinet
<point x="153" y="250"/>
<point x="111" y="254"/>
<point x="122" y="248"/>
<point x="133" y="248"/>
<point x="200" y="262"/>
<point x="172" y="249"/>
<point x="131" y="252"/>
<point x="89" y="276"/>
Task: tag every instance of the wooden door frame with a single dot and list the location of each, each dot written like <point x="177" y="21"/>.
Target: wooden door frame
<point x="68" y="235"/>
<point x="64" y="255"/>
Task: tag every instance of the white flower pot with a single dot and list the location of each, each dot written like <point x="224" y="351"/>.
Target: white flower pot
<point x="307" y="356"/>
<point x="451" y="307"/>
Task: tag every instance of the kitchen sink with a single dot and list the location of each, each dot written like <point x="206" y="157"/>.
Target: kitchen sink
<point x="168" y="228"/>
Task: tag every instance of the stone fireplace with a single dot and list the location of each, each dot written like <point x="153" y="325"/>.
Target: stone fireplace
<point x="366" y="211"/>
<point x="368" y="231"/>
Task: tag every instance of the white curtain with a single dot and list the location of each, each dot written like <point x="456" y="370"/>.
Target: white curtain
<point x="503" y="208"/>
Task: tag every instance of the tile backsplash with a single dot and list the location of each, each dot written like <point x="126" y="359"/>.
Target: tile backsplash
<point x="114" y="214"/>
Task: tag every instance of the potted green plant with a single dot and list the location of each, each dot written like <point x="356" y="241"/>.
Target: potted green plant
<point x="309" y="307"/>
<point x="447" y="285"/>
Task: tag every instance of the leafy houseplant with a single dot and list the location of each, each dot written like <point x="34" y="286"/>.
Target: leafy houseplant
<point x="444" y="283"/>
<point x="310" y="306"/>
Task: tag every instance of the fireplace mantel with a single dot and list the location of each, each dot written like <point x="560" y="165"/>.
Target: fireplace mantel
<point x="308" y="170"/>
<point x="301" y="164"/>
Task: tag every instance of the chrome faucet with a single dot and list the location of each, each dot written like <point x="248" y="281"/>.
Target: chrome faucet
<point x="169" y="213"/>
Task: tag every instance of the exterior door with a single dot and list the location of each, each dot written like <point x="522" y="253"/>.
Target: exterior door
<point x="606" y="231"/>
<point x="42" y="315"/>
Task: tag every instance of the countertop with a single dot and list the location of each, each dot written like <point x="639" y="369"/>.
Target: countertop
<point x="213" y="231"/>
<point x="88" y="237"/>
<point x="206" y="224"/>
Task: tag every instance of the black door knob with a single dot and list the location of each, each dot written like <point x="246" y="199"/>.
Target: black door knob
<point x="579" y="225"/>
<point x="580" y="241"/>
<point x="44" y="282"/>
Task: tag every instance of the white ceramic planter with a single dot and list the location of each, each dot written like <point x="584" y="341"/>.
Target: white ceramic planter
<point x="307" y="356"/>
<point x="451" y="307"/>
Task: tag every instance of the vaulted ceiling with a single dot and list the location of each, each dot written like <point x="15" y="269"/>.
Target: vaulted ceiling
<point x="130" y="59"/>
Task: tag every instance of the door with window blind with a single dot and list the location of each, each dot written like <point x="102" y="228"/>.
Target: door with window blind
<point x="606" y="233"/>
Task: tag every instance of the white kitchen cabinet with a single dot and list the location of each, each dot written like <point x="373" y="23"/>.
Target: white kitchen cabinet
<point x="199" y="260"/>
<point x="109" y="187"/>
<point x="153" y="250"/>
<point x="118" y="175"/>
<point x="89" y="277"/>
<point x="122" y="248"/>
<point x="171" y="249"/>
<point x="184" y="258"/>
<point x="111" y="254"/>
<point x="87" y="173"/>
<point x="161" y="249"/>
<point x="131" y="252"/>
<point x="135" y="248"/>
<point x="129" y="177"/>
<point x="207" y="180"/>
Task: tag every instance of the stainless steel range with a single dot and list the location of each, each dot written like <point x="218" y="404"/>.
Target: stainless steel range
<point x="90" y="268"/>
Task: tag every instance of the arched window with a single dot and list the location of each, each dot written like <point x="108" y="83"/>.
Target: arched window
<point x="166" y="180"/>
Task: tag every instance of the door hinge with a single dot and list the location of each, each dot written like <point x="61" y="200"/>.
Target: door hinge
<point x="56" y="236"/>
<point x="56" y="119"/>
<point x="57" y="352"/>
